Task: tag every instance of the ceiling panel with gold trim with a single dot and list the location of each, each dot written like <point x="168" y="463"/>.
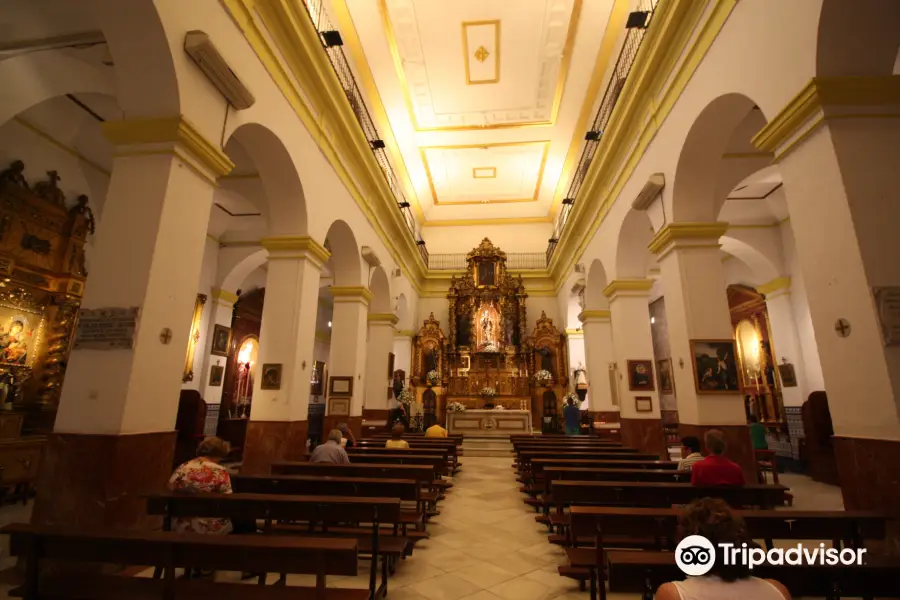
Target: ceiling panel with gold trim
<point x="481" y="97"/>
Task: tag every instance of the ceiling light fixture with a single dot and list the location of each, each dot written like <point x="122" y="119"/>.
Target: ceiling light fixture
<point x="639" y="19"/>
<point x="592" y="136"/>
<point x="329" y="323"/>
<point x="332" y="38"/>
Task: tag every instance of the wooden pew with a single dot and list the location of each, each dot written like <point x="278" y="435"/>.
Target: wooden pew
<point x="654" y="494"/>
<point x="407" y="490"/>
<point x="644" y="572"/>
<point x="447" y="453"/>
<point x="438" y="463"/>
<point x="534" y="480"/>
<point x="320" y="514"/>
<point x="452" y="450"/>
<point x="526" y="456"/>
<point x="419" y="437"/>
<point x="254" y="553"/>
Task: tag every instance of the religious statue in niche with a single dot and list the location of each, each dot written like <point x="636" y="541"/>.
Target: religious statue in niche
<point x="488" y="329"/>
<point x="547" y="361"/>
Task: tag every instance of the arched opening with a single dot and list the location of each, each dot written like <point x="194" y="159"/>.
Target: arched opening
<point x="596" y="283"/>
<point x="632" y="256"/>
<point x="344" y="262"/>
<point x="381" y="292"/>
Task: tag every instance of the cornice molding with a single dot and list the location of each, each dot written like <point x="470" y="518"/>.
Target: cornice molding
<point x="595" y="315"/>
<point x="299" y="246"/>
<point x="386" y="318"/>
<point x="224" y="296"/>
<point x="674" y="232"/>
<point x="779" y="283"/>
<point x="404" y="333"/>
<point x="189" y="144"/>
<point x="643" y="107"/>
<point x="823" y="98"/>
<point x="630" y="287"/>
<point x="351" y="293"/>
<point x="575" y="332"/>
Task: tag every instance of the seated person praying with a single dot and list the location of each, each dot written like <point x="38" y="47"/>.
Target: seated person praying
<point x="397" y="442"/>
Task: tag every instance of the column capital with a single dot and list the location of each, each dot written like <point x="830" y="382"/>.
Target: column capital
<point x="826" y="98"/>
<point x="351" y="293"/>
<point x="595" y="316"/>
<point x="628" y="287"/>
<point x="169" y="135"/>
<point x="404" y="333"/>
<point x="574" y="332"/>
<point x="383" y="319"/>
<point x="296" y="246"/>
<point x="782" y="284"/>
<point x="687" y="235"/>
<point x="224" y="297"/>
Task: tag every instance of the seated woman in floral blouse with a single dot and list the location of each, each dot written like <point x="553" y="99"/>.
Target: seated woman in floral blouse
<point x="203" y="474"/>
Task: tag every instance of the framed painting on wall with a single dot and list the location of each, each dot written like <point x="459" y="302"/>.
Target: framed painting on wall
<point x="271" y="377"/>
<point x="643" y="404"/>
<point x="787" y="374"/>
<point x="715" y="367"/>
<point x="340" y="387"/>
<point x="216" y="372"/>
<point x="664" y="372"/>
<point x="640" y="376"/>
<point x="221" y="340"/>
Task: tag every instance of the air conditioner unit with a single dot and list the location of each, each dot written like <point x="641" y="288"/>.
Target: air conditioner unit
<point x="397" y="273"/>
<point x="655" y="184"/>
<point x="198" y="46"/>
<point x="370" y="257"/>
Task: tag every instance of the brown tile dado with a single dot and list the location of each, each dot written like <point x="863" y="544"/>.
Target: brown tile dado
<point x="272" y="441"/>
<point x="99" y="480"/>
<point x="646" y="435"/>
<point x="737" y="437"/>
<point x="606" y="416"/>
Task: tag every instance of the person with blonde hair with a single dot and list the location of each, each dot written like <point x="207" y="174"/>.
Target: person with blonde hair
<point x="203" y="474"/>
<point x="397" y="442"/>
<point x="713" y="519"/>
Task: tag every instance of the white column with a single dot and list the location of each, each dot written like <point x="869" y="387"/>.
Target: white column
<point x="288" y="328"/>
<point x="381" y="342"/>
<point x="632" y="340"/>
<point x="148" y="255"/>
<point x="221" y="313"/>
<point x="348" y="339"/>
<point x="403" y="350"/>
<point x="599" y="356"/>
<point x="785" y="342"/>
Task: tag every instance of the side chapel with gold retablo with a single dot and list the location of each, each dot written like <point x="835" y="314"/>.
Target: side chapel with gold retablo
<point x="484" y="356"/>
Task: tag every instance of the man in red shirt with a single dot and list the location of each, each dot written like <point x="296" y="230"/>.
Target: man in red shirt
<point x="715" y="469"/>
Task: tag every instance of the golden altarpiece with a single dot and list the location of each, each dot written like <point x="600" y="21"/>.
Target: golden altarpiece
<point x="486" y="345"/>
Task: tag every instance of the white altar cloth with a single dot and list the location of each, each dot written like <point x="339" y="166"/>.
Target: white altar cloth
<point x="489" y="423"/>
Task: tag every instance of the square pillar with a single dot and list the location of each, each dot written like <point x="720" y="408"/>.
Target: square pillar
<point x="278" y="418"/>
<point x="348" y="350"/>
<point x="600" y="357"/>
<point x="632" y="340"/>
<point x="697" y="309"/>
<point x="785" y="341"/>
<point x="118" y="406"/>
<point x="381" y="343"/>
<point x="221" y="313"/>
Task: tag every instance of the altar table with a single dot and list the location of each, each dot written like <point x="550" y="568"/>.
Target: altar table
<point x="489" y="423"/>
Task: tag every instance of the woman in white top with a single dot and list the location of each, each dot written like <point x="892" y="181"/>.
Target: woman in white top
<point x="713" y="519"/>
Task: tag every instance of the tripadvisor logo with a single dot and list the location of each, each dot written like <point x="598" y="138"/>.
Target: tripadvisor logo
<point x="695" y="555"/>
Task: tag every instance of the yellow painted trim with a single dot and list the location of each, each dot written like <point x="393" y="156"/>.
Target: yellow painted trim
<point x="681" y="231"/>
<point x="225" y="296"/>
<point x="491" y="170"/>
<point x="467" y="57"/>
<point x="302" y="243"/>
<point x="631" y="286"/>
<point x="351" y="292"/>
<point x="571" y="332"/>
<point x="55" y="142"/>
<point x="614" y="27"/>
<point x="291" y="51"/>
<point x="383" y="318"/>
<point x="471" y="222"/>
<point x="819" y="94"/>
<point x="754" y="225"/>
<point x="638" y="116"/>
<point x="560" y="82"/>
<point x="597" y="315"/>
<point x="779" y="283"/>
<point x="177" y="130"/>
<point x="404" y="333"/>
<point x="537" y="188"/>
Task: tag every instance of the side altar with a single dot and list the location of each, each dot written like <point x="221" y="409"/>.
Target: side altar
<point x="486" y="358"/>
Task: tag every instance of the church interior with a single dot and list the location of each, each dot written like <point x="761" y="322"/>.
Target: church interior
<point x="566" y="244"/>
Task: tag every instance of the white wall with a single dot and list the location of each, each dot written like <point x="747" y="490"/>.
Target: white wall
<point x="527" y="237"/>
<point x="439" y="307"/>
<point x="549" y="304"/>
<point x="403" y="354"/>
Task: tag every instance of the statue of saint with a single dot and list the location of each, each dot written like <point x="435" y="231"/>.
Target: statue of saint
<point x="487" y="327"/>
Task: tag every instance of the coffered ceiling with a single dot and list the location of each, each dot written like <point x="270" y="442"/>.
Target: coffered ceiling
<point x="478" y="100"/>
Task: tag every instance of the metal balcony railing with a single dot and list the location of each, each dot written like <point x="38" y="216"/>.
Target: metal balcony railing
<point x="456" y="261"/>
<point x="637" y="25"/>
<point x="332" y="44"/>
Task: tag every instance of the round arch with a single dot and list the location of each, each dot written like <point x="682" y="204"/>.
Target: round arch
<point x="285" y="209"/>
<point x="242" y="269"/>
<point x="694" y="193"/>
<point x="857" y="37"/>
<point x="404" y="315"/>
<point x="381" y="292"/>
<point x="760" y="265"/>
<point x="596" y="283"/>
<point x="632" y="255"/>
<point x="345" y="258"/>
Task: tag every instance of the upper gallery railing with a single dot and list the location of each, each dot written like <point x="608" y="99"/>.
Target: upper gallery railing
<point x="332" y="42"/>
<point x="637" y="24"/>
<point x="514" y="260"/>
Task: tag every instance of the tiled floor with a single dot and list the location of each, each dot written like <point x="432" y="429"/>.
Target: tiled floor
<point x="485" y="544"/>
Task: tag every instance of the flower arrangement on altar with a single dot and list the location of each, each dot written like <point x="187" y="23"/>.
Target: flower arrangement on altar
<point x="433" y="377"/>
<point x="488" y="392"/>
<point x="574" y="397"/>
<point x="499" y="407"/>
<point x="456" y="407"/>
<point x="405" y="397"/>
<point x="543" y="376"/>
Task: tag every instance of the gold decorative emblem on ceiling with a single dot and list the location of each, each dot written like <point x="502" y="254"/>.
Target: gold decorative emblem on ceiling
<point x="481" y="54"/>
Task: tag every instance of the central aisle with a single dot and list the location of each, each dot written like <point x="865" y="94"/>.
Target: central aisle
<point x="484" y="545"/>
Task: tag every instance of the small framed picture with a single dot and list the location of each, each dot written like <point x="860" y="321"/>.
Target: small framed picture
<point x="216" y="372"/>
<point x="787" y="374"/>
<point x="664" y="372"/>
<point x="271" y="377"/>
<point x="339" y="406"/>
<point x="221" y="340"/>
<point x="640" y="376"/>
<point x="643" y="404"/>
<point x="340" y="387"/>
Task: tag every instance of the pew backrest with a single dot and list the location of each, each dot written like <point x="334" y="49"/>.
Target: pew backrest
<point x="645" y="493"/>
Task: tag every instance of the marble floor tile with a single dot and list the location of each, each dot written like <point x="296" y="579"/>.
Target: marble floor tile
<point x="448" y="586"/>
